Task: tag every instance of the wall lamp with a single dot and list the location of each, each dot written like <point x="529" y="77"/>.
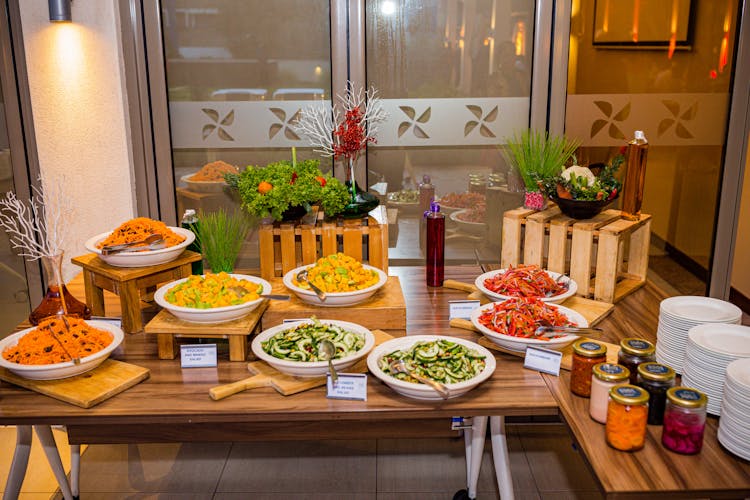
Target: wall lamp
<point x="59" y="11"/>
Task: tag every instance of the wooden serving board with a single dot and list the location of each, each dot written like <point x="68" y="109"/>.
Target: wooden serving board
<point x="87" y="389"/>
<point x="266" y="376"/>
<point x="386" y="309"/>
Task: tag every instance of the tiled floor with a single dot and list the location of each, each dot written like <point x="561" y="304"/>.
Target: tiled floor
<point x="544" y="466"/>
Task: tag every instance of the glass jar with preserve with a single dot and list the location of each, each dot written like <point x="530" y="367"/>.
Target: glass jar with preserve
<point x="586" y="354"/>
<point x="604" y="377"/>
<point x="656" y="379"/>
<point x="627" y="413"/>
<point x="632" y="353"/>
<point x="684" y="420"/>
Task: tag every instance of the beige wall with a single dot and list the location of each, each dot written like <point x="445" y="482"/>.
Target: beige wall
<point x="76" y="86"/>
<point x="741" y="267"/>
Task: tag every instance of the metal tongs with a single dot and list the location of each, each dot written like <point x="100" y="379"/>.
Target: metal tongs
<point x="151" y="242"/>
<point x="549" y="331"/>
<point x="76" y="360"/>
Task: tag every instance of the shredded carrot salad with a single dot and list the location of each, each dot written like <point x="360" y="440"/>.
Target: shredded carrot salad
<point x="39" y="347"/>
<point x="138" y="229"/>
<point x="524" y="281"/>
<point x="214" y="172"/>
<point x="520" y="317"/>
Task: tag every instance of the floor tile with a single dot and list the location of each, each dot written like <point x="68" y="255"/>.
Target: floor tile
<point x="295" y="467"/>
<point x="572" y="495"/>
<point x="153" y="468"/>
<point x="295" y="496"/>
<point x="129" y="495"/>
<point x="39" y="477"/>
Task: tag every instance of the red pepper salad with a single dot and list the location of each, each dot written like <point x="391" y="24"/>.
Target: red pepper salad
<point x="520" y="317"/>
<point x="525" y="281"/>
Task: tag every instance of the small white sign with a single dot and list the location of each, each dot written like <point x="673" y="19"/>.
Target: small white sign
<point x="112" y="321"/>
<point x="543" y="360"/>
<point x="348" y="386"/>
<point x="462" y="309"/>
<point x="198" y="355"/>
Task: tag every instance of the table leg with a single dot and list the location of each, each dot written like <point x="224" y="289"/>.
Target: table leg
<point x="94" y="294"/>
<point x="500" y="457"/>
<point x="19" y="463"/>
<point x="75" y="468"/>
<point x="130" y="303"/>
<point x="44" y="432"/>
<point x="474" y="456"/>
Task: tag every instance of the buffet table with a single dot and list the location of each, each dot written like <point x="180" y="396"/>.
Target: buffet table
<point x="173" y="404"/>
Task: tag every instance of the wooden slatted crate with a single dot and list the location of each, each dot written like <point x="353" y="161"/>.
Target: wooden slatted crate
<point x="286" y="246"/>
<point x="606" y="255"/>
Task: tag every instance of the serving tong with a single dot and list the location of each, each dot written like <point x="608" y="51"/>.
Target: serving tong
<point x="549" y="331"/>
<point x="151" y="242"/>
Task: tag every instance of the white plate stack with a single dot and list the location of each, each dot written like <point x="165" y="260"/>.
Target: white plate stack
<point x="734" y="425"/>
<point x="710" y="348"/>
<point x="677" y="315"/>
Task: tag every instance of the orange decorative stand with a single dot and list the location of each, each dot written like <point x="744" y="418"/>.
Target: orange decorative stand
<point x="131" y="284"/>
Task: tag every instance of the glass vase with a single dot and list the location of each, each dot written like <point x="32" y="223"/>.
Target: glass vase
<point x="52" y="304"/>
<point x="534" y="200"/>
<point x="360" y="202"/>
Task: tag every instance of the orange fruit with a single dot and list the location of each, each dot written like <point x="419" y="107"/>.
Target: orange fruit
<point x="264" y="187"/>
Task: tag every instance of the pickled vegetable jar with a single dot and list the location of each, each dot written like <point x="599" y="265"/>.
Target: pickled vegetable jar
<point x="626" y="417"/>
<point x="632" y="353"/>
<point x="684" y="420"/>
<point x="586" y="354"/>
<point x="604" y="377"/>
<point x="656" y="379"/>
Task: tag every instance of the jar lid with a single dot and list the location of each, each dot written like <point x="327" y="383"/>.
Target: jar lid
<point x="627" y="394"/>
<point x="687" y="397"/>
<point x="589" y="348"/>
<point x="655" y="371"/>
<point x="637" y="347"/>
<point x="610" y="372"/>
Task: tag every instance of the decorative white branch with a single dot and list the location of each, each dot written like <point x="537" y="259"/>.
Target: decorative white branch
<point x="316" y="124"/>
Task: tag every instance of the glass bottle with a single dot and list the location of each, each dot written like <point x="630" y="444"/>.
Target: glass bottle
<point x="586" y="354"/>
<point x="435" y="248"/>
<point x="190" y="221"/>
<point x="635" y="176"/>
<point x="477" y="184"/>
<point x="684" y="420"/>
<point x="426" y="193"/>
<point x="656" y="379"/>
<point x="627" y="413"/>
<point x="51" y="304"/>
<point x="604" y="377"/>
<point x="633" y="352"/>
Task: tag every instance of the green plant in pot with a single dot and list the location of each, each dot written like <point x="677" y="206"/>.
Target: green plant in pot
<point x="281" y="187"/>
<point x="538" y="157"/>
<point x="221" y="235"/>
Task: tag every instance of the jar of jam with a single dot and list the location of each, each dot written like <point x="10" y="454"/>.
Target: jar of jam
<point x="604" y="377"/>
<point x="684" y="420"/>
<point x="656" y="379"/>
<point x="632" y="353"/>
<point x="477" y="183"/>
<point x="586" y="354"/>
<point x="626" y="417"/>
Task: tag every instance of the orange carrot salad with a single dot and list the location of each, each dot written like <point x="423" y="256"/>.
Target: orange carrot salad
<point x="138" y="229"/>
<point x="214" y="172"/>
<point x="39" y="347"/>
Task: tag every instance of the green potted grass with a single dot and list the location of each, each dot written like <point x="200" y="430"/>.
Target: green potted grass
<point x="221" y="236"/>
<point x="538" y="157"/>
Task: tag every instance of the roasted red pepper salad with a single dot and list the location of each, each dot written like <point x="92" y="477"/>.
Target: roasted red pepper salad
<point x="520" y="317"/>
<point x="525" y="281"/>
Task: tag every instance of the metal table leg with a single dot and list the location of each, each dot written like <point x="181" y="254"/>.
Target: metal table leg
<point x="19" y="464"/>
<point x="501" y="458"/>
<point x="75" y="468"/>
<point x="44" y="432"/>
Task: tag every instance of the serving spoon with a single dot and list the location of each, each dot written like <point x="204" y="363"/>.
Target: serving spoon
<point x="241" y="292"/>
<point x="399" y="366"/>
<point x="302" y="276"/>
<point x="326" y="350"/>
<point x="150" y="241"/>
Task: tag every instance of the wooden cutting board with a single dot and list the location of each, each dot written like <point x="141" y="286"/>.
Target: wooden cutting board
<point x="87" y="389"/>
<point x="264" y="375"/>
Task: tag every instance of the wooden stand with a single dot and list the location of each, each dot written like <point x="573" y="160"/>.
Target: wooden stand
<point x="169" y="328"/>
<point x="286" y="246"/>
<point x="131" y="284"/>
<point x="565" y="245"/>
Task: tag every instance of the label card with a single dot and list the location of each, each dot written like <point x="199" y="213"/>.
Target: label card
<point x="462" y="309"/>
<point x="197" y="355"/>
<point x="348" y="386"/>
<point x="107" y="319"/>
<point x="543" y="360"/>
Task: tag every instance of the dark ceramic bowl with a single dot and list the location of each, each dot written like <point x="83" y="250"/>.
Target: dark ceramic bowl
<point x="581" y="209"/>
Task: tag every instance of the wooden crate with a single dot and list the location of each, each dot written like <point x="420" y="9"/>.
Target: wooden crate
<point x="606" y="255"/>
<point x="286" y="246"/>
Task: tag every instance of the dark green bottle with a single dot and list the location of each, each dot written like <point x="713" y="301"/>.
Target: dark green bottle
<point x="190" y="221"/>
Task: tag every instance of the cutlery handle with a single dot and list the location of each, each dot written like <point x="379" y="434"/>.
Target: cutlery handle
<point x="226" y="390"/>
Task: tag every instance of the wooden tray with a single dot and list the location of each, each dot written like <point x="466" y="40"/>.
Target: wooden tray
<point x="385" y="310"/>
<point x="87" y="389"/>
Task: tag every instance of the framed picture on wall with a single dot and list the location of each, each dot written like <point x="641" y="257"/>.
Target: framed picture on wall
<point x="642" y="23"/>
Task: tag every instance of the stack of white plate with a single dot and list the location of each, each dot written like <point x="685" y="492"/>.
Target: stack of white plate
<point x="710" y="348"/>
<point x="677" y="315"/>
<point x="734" y="425"/>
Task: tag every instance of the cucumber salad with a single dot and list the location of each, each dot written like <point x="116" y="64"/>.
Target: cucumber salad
<point x="441" y="360"/>
<point x="301" y="342"/>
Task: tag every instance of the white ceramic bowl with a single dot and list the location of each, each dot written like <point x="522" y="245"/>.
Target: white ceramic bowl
<point x="423" y="391"/>
<point x="519" y="344"/>
<point x="475" y="228"/>
<point x="312" y="368"/>
<point x="203" y="186"/>
<point x="334" y="299"/>
<point x="213" y="315"/>
<point x="60" y="370"/>
<point x="145" y="257"/>
<point x="498" y="297"/>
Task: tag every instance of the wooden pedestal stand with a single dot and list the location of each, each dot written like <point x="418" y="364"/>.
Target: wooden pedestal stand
<point x="131" y="284"/>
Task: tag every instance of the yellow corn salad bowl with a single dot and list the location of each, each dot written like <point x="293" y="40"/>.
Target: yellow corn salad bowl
<point x="211" y="291"/>
<point x="339" y="273"/>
